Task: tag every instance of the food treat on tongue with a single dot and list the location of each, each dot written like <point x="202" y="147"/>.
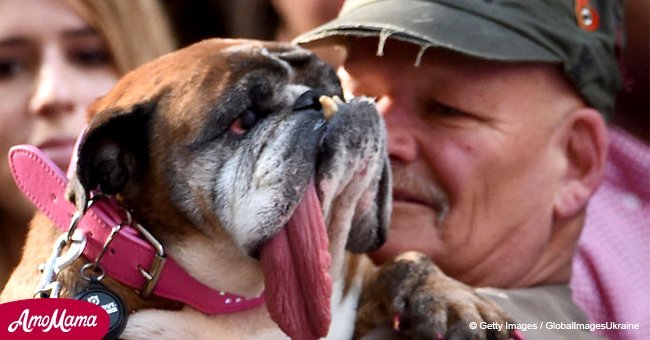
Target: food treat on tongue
<point x="296" y="265"/>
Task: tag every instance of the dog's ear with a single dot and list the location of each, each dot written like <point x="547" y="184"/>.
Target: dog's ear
<point x="113" y="151"/>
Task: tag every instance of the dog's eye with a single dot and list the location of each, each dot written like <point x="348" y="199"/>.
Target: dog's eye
<point x="245" y="122"/>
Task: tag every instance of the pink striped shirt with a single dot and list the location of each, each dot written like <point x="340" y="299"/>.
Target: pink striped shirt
<point x="611" y="271"/>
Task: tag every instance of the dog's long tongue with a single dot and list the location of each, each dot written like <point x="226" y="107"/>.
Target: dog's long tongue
<point x="296" y="265"/>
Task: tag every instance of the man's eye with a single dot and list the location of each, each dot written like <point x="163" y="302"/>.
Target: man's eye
<point x="448" y="111"/>
<point x="9" y="68"/>
<point x="441" y="110"/>
<point x="245" y="121"/>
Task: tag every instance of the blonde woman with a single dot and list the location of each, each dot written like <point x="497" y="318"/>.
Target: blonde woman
<point x="56" y="57"/>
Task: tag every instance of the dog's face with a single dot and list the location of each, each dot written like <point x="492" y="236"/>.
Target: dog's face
<point x="225" y="139"/>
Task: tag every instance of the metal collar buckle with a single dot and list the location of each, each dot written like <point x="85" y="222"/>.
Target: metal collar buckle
<point x="153" y="273"/>
<point x="95" y="265"/>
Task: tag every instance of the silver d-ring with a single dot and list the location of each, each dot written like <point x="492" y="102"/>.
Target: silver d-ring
<point x="93" y="267"/>
<point x="74" y="222"/>
<point x="76" y="217"/>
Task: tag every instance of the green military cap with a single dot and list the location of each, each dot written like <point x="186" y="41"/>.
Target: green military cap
<point x="582" y="35"/>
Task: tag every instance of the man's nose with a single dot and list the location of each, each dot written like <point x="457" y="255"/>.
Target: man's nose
<point x="52" y="93"/>
<point x="402" y="143"/>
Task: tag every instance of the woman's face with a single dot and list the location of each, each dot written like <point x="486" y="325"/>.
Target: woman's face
<point x="52" y="66"/>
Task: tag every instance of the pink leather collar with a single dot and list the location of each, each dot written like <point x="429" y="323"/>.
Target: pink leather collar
<point x="44" y="184"/>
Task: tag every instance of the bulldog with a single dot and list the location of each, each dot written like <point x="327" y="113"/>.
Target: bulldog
<point x="241" y="159"/>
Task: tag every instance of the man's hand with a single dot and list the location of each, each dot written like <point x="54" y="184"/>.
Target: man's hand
<point x="415" y="298"/>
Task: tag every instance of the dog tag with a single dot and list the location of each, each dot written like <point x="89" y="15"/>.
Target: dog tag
<point x="98" y="294"/>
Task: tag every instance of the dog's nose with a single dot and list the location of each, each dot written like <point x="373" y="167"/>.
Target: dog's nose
<point x="315" y="100"/>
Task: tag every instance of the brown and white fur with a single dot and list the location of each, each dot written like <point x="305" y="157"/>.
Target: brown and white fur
<point x="211" y="148"/>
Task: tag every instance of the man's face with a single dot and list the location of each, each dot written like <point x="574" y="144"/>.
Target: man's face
<point x="475" y="154"/>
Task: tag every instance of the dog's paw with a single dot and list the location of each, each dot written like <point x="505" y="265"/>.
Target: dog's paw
<point x="414" y="297"/>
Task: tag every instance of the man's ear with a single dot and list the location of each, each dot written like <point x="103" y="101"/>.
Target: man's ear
<point x="113" y="152"/>
<point x="585" y="148"/>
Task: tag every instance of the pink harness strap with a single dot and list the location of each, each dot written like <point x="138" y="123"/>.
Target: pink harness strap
<point x="44" y="184"/>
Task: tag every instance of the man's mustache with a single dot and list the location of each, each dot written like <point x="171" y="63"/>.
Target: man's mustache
<point x="411" y="186"/>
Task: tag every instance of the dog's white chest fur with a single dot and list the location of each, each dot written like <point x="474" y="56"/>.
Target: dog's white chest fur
<point x="344" y="310"/>
<point x="251" y="324"/>
<point x="190" y="324"/>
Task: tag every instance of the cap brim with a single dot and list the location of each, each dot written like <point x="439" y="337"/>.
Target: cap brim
<point x="432" y="24"/>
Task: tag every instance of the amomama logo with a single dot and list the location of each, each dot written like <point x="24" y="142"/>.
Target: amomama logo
<point x="52" y="319"/>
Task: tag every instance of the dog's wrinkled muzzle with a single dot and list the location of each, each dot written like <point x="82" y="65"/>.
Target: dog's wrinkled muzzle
<point x="296" y="261"/>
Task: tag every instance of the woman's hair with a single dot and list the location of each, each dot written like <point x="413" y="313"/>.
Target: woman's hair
<point x="136" y="31"/>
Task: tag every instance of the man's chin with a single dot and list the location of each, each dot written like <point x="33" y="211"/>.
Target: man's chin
<point x="413" y="227"/>
<point x="406" y="215"/>
<point x="412" y="207"/>
<point x="383" y="254"/>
